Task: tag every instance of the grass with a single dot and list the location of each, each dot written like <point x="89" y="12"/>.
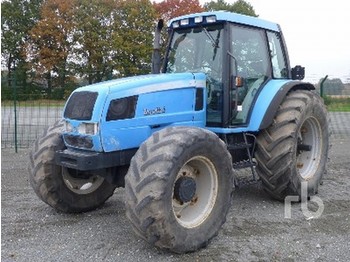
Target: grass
<point x="334" y="104"/>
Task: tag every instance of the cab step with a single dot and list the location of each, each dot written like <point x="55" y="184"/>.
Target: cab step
<point x="246" y="181"/>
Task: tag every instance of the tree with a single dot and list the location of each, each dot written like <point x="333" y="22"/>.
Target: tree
<point x="240" y="6"/>
<point x="132" y="37"/>
<point x="168" y="9"/>
<point x="93" y="43"/>
<point x="51" y="40"/>
<point x="17" y="19"/>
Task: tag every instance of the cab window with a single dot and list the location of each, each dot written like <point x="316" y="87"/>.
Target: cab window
<point x="278" y="61"/>
<point x="251" y="63"/>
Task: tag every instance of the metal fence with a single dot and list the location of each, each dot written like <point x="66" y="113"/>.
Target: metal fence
<point x="340" y="125"/>
<point x="24" y="121"/>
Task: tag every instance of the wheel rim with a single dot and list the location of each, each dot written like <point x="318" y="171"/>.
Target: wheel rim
<point x="200" y="204"/>
<point x="309" y="148"/>
<point x="81" y="184"/>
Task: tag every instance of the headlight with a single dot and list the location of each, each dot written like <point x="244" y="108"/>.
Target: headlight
<point x="185" y="21"/>
<point x="122" y="108"/>
<point x="211" y="19"/>
<point x="68" y="127"/>
<point x="118" y="107"/>
<point x="88" y="128"/>
<point x="198" y="19"/>
<point x="176" y="24"/>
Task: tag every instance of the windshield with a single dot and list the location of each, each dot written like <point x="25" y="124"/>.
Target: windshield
<point x="196" y="50"/>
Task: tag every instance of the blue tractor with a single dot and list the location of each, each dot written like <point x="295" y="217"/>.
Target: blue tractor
<point x="224" y="99"/>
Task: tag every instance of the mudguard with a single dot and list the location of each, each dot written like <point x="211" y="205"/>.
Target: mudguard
<point x="278" y="98"/>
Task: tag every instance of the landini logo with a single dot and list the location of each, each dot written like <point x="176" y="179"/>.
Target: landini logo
<point x="156" y="111"/>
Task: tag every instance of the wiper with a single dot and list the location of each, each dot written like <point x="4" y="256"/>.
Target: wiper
<point x="213" y="42"/>
<point x="179" y="40"/>
<point x="217" y="45"/>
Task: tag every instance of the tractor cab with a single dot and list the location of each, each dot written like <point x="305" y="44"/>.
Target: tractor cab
<point x="237" y="58"/>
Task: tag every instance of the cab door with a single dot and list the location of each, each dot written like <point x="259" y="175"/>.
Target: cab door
<point x="251" y="63"/>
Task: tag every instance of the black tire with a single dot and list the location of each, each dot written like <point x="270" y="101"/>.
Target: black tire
<point x="60" y="187"/>
<point x="160" y="209"/>
<point x="285" y="158"/>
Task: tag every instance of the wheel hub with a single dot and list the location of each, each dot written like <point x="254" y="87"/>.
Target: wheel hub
<point x="195" y="191"/>
<point x="185" y="189"/>
<point x="309" y="148"/>
<point x="81" y="183"/>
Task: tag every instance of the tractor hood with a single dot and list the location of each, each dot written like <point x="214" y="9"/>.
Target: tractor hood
<point x="136" y="85"/>
<point x="120" y="114"/>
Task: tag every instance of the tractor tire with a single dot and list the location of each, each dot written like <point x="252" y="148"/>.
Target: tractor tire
<point x="294" y="149"/>
<point x="63" y="189"/>
<point x="178" y="188"/>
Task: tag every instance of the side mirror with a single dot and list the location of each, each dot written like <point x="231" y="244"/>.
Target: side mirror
<point x="298" y="72"/>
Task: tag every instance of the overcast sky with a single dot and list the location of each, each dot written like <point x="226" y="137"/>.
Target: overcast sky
<point x="317" y="33"/>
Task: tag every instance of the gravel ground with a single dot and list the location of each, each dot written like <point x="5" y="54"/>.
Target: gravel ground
<point x="256" y="227"/>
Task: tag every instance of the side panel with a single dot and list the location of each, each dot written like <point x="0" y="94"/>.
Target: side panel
<point x="154" y="111"/>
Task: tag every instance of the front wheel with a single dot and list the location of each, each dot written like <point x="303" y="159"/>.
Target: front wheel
<point x="64" y="189"/>
<point x="294" y="149"/>
<point x="178" y="188"/>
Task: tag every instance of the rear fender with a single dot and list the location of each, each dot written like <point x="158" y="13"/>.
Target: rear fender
<point x="275" y="98"/>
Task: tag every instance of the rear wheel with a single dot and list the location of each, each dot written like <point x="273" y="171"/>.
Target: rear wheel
<point x="64" y="189"/>
<point x="178" y="188"/>
<point x="294" y="148"/>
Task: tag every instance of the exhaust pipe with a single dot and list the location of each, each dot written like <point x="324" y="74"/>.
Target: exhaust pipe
<point x="156" y="61"/>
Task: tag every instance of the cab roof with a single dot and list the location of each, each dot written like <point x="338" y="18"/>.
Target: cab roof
<point x="231" y="17"/>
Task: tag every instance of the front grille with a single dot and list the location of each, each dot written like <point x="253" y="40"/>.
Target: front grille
<point x="78" y="141"/>
<point x="80" y="105"/>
